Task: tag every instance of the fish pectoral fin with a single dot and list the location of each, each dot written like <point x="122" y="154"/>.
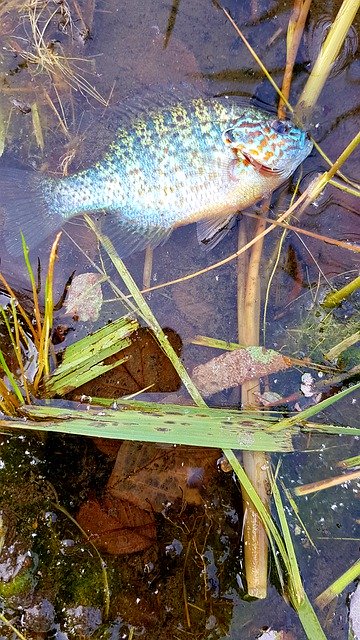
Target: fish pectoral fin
<point x="210" y="232"/>
<point x="129" y="237"/>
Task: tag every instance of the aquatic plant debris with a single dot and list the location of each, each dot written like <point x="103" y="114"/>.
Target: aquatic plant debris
<point x="84" y="299"/>
<point x="231" y="369"/>
<point x="144" y="366"/>
<point x="117" y="527"/>
<point x="155" y="422"/>
<point x="84" y="360"/>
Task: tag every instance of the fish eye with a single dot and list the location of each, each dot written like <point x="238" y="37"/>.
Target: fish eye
<point x="281" y="126"/>
<point x="228" y="136"/>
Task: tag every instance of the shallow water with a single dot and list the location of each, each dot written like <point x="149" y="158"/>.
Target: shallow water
<point x="128" y="52"/>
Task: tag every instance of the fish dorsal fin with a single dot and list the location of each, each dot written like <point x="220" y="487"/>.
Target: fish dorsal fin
<point x="156" y="97"/>
<point x="210" y="232"/>
<point x="98" y="127"/>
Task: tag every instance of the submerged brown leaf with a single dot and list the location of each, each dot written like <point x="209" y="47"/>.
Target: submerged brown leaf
<point x="117" y="527"/>
<point x="233" y="368"/>
<point x="150" y="476"/>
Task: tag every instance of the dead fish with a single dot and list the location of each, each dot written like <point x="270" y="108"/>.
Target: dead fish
<point x="172" y="162"/>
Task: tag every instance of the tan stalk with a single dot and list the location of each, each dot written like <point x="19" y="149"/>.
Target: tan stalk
<point x="255" y="464"/>
<point x="319" y="485"/>
<point x="327" y="56"/>
<point x="294" y="34"/>
<point x="355" y="248"/>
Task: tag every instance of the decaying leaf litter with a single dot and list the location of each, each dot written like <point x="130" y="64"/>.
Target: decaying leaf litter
<point x="221" y="335"/>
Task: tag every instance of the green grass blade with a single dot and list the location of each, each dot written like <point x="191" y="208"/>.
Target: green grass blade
<point x="303" y="607"/>
<point x="146" y="313"/>
<point x="331" y="429"/>
<point x="338" y="585"/>
<point x="215" y="343"/>
<point x="11" y="378"/>
<point x="7" y="623"/>
<point x="302" y="416"/>
<point x="295" y="583"/>
<point x="309" y="620"/>
<point x="83" y="360"/>
<point x="152" y="422"/>
<point x="348" y="463"/>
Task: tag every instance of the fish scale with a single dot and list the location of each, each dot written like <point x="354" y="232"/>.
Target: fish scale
<point x="168" y="165"/>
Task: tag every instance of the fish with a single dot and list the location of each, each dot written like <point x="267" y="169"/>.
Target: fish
<point x="171" y="161"/>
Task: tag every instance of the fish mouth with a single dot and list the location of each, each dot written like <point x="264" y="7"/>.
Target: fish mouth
<point x="259" y="166"/>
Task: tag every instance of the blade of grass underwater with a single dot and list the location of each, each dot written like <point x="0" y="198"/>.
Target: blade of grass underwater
<point x="83" y="360"/>
<point x="297" y="590"/>
<point x="146" y="313"/>
<point x="215" y="343"/>
<point x="7" y="623"/>
<point x="153" y="422"/>
<point x="11" y="378"/>
<point x="304" y="609"/>
<point x="334" y="298"/>
<point x="331" y="429"/>
<point x="298" y="596"/>
<point x="348" y="463"/>
<point x="302" y="416"/>
<point x="36" y="122"/>
<point x="335" y="351"/>
<point x="338" y="585"/>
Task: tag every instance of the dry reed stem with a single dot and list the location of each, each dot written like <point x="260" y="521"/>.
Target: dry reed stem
<point x="319" y="485"/>
<point x="327" y="56"/>
<point x="255" y="464"/>
<point x="355" y="248"/>
<point x="148" y="263"/>
<point x="22" y="311"/>
<point x="294" y="34"/>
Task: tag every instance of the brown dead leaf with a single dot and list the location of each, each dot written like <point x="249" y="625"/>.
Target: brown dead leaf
<point x="150" y="476"/>
<point x="108" y="446"/>
<point x="117" y="527"/>
<point x="234" y="367"/>
<point x="146" y="366"/>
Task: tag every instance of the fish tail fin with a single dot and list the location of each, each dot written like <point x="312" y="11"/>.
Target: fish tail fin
<point x="25" y="200"/>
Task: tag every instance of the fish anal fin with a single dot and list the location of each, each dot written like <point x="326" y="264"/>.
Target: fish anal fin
<point x="211" y="231"/>
<point x="129" y="237"/>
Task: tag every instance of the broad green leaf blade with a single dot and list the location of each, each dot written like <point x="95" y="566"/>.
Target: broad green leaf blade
<point x="152" y="422"/>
